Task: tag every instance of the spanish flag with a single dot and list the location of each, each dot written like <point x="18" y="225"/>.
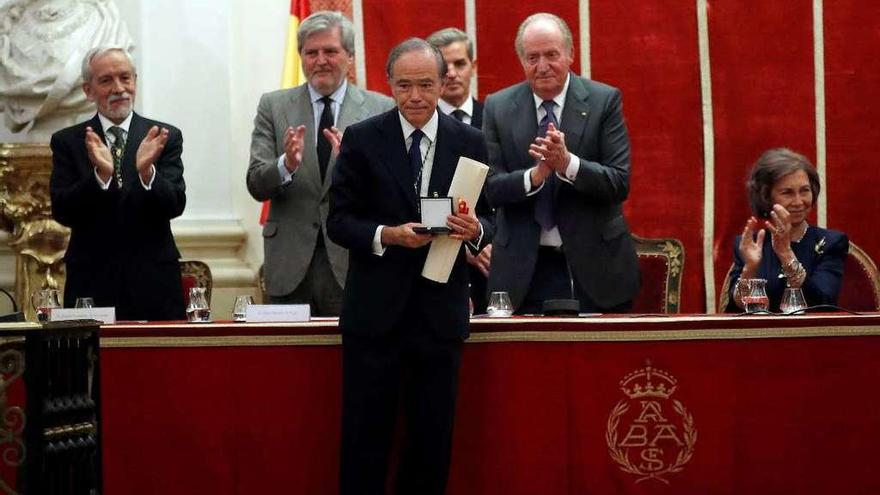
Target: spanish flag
<point x="292" y="74"/>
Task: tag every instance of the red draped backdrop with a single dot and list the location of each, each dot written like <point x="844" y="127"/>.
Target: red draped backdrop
<point x="760" y="61"/>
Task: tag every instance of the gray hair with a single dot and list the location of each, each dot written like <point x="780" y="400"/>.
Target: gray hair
<point x="323" y="20"/>
<point x="543" y="16"/>
<point x="415" y="45"/>
<point x="450" y="35"/>
<point x="774" y="164"/>
<point x="98" y="52"/>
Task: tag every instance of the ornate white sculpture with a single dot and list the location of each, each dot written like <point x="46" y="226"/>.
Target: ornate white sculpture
<point x="42" y="44"/>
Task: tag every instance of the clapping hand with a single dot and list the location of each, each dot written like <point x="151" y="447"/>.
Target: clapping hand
<point x="334" y="136"/>
<point x="751" y="247"/>
<point x="551" y="150"/>
<point x="149" y="150"/>
<point x="294" y="141"/>
<point x="99" y="155"/>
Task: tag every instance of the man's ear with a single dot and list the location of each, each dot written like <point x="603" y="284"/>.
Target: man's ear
<point x="86" y="87"/>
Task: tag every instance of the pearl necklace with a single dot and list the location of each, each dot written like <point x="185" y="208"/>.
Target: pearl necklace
<point x="806" y="226"/>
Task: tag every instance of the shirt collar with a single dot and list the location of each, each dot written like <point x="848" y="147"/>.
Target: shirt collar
<point x="107" y="123"/>
<point x="467" y="107"/>
<point x="336" y="96"/>
<point x="558" y="99"/>
<point x="430" y="127"/>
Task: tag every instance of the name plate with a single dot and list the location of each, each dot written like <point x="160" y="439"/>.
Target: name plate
<point x="105" y="315"/>
<point x="266" y="313"/>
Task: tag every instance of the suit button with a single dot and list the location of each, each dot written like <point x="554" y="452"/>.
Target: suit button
<point x="316" y="225"/>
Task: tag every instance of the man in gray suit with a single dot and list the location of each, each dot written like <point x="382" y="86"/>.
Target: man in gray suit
<point x="559" y="152"/>
<point x="293" y="147"/>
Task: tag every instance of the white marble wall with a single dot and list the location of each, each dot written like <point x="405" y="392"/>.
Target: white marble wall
<point x="202" y="65"/>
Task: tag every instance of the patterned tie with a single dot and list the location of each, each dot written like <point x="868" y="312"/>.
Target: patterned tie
<point x="324" y="147"/>
<point x="117" y="150"/>
<point x="415" y="159"/>
<point x="459" y="114"/>
<point x="545" y="203"/>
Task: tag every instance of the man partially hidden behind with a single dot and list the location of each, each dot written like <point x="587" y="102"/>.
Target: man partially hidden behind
<point x="401" y="333"/>
<point x="559" y="151"/>
<point x="456" y="100"/>
<point x="117" y="181"/>
<point x="293" y="147"/>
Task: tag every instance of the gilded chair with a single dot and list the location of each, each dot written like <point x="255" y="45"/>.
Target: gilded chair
<point x="661" y="262"/>
<point x="195" y="274"/>
<point x="860" y="288"/>
<point x="724" y="296"/>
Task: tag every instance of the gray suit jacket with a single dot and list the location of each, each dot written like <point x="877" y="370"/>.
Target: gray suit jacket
<point x="299" y="209"/>
<point x="595" y="235"/>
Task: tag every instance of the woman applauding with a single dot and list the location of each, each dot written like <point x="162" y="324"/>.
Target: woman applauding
<point x="777" y="243"/>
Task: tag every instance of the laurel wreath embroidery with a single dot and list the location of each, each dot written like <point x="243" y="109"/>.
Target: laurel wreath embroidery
<point x="619" y="455"/>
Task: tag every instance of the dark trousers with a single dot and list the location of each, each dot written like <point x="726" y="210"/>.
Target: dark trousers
<point x="319" y="288"/>
<point x="423" y="371"/>
<point x="479" y="297"/>
<point x="553" y="280"/>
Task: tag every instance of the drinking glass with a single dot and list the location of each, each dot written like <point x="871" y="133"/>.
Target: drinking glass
<point x="756" y="300"/>
<point x="43" y="301"/>
<point x="793" y="301"/>
<point x="84" y="302"/>
<point x="239" y="309"/>
<point x="499" y="305"/>
<point x="198" y="310"/>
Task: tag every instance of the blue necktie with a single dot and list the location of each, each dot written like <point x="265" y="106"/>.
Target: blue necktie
<point x="415" y="159"/>
<point x="545" y="202"/>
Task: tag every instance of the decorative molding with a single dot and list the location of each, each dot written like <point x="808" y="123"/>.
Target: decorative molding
<point x="695" y="334"/>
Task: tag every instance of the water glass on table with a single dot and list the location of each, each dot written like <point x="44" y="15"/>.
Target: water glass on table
<point x="198" y="310"/>
<point x="43" y="301"/>
<point x="793" y="301"/>
<point x="239" y="309"/>
<point x="756" y="300"/>
<point x="84" y="302"/>
<point x="499" y="305"/>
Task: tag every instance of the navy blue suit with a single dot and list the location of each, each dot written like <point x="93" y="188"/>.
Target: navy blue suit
<point x="821" y="251"/>
<point x="396" y="325"/>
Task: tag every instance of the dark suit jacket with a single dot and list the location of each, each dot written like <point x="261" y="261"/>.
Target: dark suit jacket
<point x="121" y="250"/>
<point x="595" y="235"/>
<point x="477" y="116"/>
<point x="372" y="186"/>
<point x="822" y="252"/>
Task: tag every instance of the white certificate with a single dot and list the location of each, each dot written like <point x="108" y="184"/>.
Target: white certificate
<point x="466" y="183"/>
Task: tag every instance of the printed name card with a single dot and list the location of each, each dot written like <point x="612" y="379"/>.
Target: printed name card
<point x="105" y="315"/>
<point x="267" y="313"/>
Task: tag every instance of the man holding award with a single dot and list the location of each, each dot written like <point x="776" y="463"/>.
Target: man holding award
<point x="398" y="327"/>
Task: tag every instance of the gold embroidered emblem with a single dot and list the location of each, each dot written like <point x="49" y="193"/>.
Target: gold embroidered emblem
<point x="655" y="443"/>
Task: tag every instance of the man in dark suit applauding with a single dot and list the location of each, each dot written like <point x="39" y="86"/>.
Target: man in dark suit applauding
<point x="560" y="160"/>
<point x="117" y="181"/>
<point x="398" y="327"/>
